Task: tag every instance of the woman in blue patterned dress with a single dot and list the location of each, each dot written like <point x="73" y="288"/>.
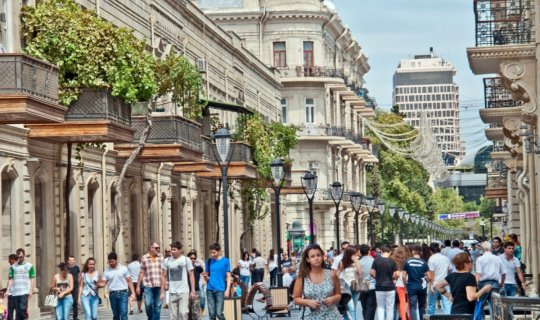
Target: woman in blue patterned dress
<point x="317" y="288"/>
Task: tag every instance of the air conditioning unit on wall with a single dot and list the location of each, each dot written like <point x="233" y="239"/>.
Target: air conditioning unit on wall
<point x="201" y="65"/>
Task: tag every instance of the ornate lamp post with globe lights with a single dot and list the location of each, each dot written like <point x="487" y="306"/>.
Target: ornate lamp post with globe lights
<point x="357" y="200"/>
<point x="336" y="191"/>
<point x="309" y="185"/>
<point x="223" y="146"/>
<point x="278" y="177"/>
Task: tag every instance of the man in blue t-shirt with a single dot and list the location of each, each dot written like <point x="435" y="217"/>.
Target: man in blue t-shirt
<point x="416" y="270"/>
<point x="218" y="279"/>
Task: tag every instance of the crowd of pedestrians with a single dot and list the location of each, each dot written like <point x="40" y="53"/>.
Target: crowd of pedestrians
<point x="388" y="282"/>
<point x="406" y="282"/>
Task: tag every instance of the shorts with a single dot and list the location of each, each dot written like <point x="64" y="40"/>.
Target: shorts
<point x="139" y="296"/>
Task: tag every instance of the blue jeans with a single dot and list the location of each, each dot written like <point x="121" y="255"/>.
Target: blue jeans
<point x="215" y="304"/>
<point x="152" y="302"/>
<point x="90" y="306"/>
<point x="510" y="290"/>
<point x="417" y="302"/>
<point x="119" y="304"/>
<point x="486" y="297"/>
<point x="245" y="279"/>
<point x="273" y="277"/>
<point x="432" y="302"/>
<point x="351" y="305"/>
<point x="63" y="308"/>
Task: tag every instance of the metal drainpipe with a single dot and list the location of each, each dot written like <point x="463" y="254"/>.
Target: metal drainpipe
<point x="261" y="22"/>
<point x="534" y="226"/>
<point x="158" y="198"/>
<point x="103" y="205"/>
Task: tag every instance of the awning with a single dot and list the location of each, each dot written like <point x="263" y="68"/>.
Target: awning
<point x="227" y="106"/>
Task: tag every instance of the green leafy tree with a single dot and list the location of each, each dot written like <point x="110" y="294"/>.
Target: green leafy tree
<point x="448" y="200"/>
<point x="89" y="51"/>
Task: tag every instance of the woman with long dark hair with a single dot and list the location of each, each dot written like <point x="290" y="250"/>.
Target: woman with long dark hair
<point x="316" y="287"/>
<point x="272" y="267"/>
<point x="349" y="269"/>
<point x="243" y="265"/>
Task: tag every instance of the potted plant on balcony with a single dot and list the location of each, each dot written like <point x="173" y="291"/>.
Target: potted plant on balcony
<point x="102" y="68"/>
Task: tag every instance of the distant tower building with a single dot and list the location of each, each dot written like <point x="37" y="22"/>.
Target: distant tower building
<point x="426" y="83"/>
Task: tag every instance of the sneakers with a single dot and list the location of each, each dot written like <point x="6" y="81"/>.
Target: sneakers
<point x="131" y="312"/>
<point x="140" y="310"/>
<point x="166" y="306"/>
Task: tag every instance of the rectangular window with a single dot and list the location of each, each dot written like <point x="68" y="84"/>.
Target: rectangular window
<point x="308" y="54"/>
<point x="283" y="110"/>
<point x="280" y="55"/>
<point x="310" y="110"/>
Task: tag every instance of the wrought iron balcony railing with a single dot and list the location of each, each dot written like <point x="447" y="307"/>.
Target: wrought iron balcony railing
<point x="311" y="129"/>
<point x="496" y="95"/>
<point x="500" y="22"/>
<point x="241" y="152"/>
<point x="170" y="130"/>
<point x="25" y="74"/>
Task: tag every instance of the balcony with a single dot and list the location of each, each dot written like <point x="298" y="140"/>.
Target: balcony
<point x="315" y="74"/>
<point x="504" y="22"/>
<point x="504" y="30"/>
<point x="498" y="102"/>
<point x="96" y="116"/>
<point x="28" y="91"/>
<point x="172" y="138"/>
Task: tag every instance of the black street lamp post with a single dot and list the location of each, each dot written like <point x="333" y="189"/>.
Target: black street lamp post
<point x="380" y="207"/>
<point x="357" y="200"/>
<point x="223" y="145"/>
<point x="406" y="216"/>
<point x="278" y="177"/>
<point x="336" y="192"/>
<point x="370" y="202"/>
<point x="309" y="184"/>
<point x="392" y="211"/>
<point x="400" y="213"/>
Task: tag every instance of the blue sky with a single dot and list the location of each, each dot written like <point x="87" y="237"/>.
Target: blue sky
<point x="391" y="30"/>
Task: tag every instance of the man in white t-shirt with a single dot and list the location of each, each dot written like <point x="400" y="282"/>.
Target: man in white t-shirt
<point x="440" y="265"/>
<point x="178" y="278"/>
<point x="337" y="260"/>
<point x="512" y="266"/>
<point x="118" y="279"/>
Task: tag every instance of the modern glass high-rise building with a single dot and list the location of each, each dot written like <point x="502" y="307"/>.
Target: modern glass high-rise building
<point x="426" y="83"/>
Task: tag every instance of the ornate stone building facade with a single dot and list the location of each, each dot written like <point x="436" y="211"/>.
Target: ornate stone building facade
<point x="158" y="202"/>
<point x="507" y="45"/>
<point x="322" y="68"/>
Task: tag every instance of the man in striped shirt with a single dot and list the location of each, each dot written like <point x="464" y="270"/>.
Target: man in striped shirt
<point x="22" y="276"/>
<point x="150" y="276"/>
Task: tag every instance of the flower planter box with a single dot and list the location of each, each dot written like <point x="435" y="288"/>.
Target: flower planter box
<point x="96" y="116"/>
<point x="28" y="90"/>
<point x="172" y="138"/>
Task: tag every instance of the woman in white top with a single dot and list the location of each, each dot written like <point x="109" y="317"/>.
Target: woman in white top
<point x="88" y="292"/>
<point x="62" y="284"/>
<point x="272" y="268"/>
<point x="350" y="270"/>
<point x="243" y="265"/>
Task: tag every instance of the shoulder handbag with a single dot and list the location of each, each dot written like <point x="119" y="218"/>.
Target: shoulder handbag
<point x="89" y="285"/>
<point x="355" y="286"/>
<point x="51" y="300"/>
<point x="363" y="286"/>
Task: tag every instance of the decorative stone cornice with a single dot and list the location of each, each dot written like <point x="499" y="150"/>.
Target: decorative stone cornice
<point x="496" y="115"/>
<point x="514" y="75"/>
<point x="494" y="134"/>
<point x="507" y="51"/>
<point x="513" y="165"/>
